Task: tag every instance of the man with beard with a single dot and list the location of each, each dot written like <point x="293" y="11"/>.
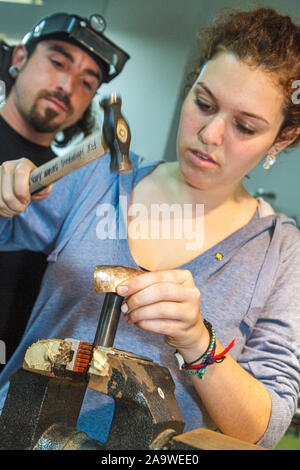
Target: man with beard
<point x="51" y="80"/>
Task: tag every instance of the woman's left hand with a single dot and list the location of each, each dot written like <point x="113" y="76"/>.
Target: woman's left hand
<point x="168" y="303"/>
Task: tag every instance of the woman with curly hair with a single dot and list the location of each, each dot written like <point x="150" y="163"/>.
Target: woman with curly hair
<point x="238" y="346"/>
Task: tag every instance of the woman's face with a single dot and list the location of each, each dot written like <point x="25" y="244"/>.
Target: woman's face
<point x="229" y="121"/>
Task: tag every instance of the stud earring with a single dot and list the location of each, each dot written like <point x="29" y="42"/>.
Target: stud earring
<point x="269" y="161"/>
<point x="13" y="70"/>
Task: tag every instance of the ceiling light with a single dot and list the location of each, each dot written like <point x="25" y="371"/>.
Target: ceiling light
<point x="26" y="2"/>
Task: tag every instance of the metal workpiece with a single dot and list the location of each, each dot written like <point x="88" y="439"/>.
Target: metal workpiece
<point x="109" y="320"/>
<point x="106" y="279"/>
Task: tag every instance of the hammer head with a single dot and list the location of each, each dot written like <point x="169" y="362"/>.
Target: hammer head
<point x="116" y="134"/>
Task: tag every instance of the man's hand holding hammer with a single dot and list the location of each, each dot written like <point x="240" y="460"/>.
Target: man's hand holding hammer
<point x="22" y="182"/>
<point x="14" y="187"/>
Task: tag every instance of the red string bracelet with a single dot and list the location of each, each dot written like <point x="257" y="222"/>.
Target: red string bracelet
<point x="211" y="359"/>
<point x="223" y="353"/>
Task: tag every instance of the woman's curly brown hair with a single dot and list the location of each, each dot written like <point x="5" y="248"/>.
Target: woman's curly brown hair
<point x="261" y="38"/>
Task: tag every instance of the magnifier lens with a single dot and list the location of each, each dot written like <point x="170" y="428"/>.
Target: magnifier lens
<point x="97" y="23"/>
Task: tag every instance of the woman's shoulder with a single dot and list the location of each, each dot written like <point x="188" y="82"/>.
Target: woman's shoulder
<point x="288" y="236"/>
<point x="288" y="225"/>
<point x="152" y="172"/>
<point x="152" y="167"/>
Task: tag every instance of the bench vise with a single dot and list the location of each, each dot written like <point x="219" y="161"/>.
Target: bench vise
<point x="45" y="396"/>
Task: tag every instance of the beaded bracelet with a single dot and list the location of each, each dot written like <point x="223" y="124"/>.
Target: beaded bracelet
<point x="208" y="358"/>
<point x="212" y="337"/>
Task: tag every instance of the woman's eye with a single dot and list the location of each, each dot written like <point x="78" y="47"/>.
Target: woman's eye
<point x="245" y="130"/>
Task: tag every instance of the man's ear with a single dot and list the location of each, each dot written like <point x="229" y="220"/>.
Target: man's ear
<point x="19" y="56"/>
<point x="286" y="138"/>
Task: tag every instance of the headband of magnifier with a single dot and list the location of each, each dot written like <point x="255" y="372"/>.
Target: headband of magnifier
<point x="86" y="33"/>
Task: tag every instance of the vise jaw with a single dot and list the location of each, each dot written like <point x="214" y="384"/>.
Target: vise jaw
<point x="45" y="398"/>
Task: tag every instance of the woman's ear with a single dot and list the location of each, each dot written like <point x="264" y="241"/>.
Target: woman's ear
<point x="286" y="138"/>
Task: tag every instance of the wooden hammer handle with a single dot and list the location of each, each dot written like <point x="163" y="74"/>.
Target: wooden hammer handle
<point x="90" y="149"/>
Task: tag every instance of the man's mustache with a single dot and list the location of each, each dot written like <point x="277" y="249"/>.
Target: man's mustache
<point x="59" y="96"/>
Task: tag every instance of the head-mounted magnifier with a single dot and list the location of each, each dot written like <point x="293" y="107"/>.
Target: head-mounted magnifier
<point x="87" y="32"/>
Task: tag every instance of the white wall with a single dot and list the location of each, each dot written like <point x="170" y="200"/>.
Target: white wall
<point x="158" y="35"/>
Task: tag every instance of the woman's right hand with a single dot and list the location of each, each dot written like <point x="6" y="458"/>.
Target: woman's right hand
<point x="14" y="187"/>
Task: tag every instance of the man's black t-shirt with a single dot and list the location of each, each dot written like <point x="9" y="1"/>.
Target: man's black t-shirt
<point x="20" y="272"/>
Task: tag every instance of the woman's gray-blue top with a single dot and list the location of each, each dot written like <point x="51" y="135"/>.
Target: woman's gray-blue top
<point x="252" y="294"/>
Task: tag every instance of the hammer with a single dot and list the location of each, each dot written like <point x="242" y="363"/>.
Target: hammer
<point x="116" y="138"/>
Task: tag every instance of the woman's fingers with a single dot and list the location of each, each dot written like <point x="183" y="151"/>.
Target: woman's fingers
<point x="163" y="292"/>
<point x="165" y="302"/>
<point x="137" y="283"/>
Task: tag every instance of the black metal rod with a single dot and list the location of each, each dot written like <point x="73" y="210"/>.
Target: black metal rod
<point x="109" y="320"/>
